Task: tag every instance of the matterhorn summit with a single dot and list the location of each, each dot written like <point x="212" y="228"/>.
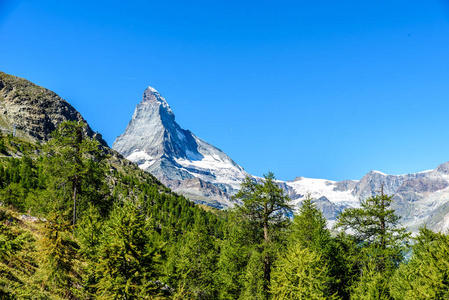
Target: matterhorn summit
<point x="181" y="160"/>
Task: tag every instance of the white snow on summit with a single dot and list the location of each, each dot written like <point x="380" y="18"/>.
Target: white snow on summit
<point x="152" y="89"/>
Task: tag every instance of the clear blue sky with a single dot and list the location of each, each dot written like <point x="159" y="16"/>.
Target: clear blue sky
<point x="324" y="89"/>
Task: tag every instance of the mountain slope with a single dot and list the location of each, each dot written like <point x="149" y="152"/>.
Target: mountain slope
<point x="177" y="157"/>
<point x="34" y="111"/>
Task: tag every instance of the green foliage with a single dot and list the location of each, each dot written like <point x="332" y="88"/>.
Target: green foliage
<point x="57" y="255"/>
<point x="309" y="227"/>
<point x="88" y="262"/>
<point x="254" y="282"/>
<point x="265" y="206"/>
<point x="192" y="263"/>
<point x="3" y="147"/>
<point x="309" y="231"/>
<point x="89" y="233"/>
<point x="426" y="274"/>
<point x="74" y="167"/>
<point x="378" y="246"/>
<point x="11" y="240"/>
<point x="126" y="266"/>
<point x="372" y="284"/>
<point x="135" y="239"/>
<point x="235" y="250"/>
<point x="375" y="227"/>
<point x="13" y="195"/>
<point x="300" y="274"/>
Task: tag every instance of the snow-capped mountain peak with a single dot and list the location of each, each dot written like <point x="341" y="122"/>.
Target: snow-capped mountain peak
<point x="151" y="97"/>
<point x="159" y="145"/>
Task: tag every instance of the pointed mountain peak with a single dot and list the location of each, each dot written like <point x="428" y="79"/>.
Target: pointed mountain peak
<point x="150" y="94"/>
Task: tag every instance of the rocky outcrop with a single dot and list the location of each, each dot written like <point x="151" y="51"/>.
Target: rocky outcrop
<point x="329" y="209"/>
<point x="345" y="185"/>
<point x="372" y="183"/>
<point x="33" y="111"/>
<point x="199" y="191"/>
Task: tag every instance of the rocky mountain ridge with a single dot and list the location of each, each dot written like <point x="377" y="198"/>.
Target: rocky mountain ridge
<point x="419" y="198"/>
<point x="34" y="112"/>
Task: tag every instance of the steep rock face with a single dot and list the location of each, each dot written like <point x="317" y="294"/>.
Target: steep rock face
<point x="34" y="110"/>
<point x="203" y="192"/>
<point x="329" y="209"/>
<point x="159" y="145"/>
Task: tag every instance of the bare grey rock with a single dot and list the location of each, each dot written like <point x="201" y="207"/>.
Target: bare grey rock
<point x="345" y="185"/>
<point x="34" y="110"/>
<point x="329" y="209"/>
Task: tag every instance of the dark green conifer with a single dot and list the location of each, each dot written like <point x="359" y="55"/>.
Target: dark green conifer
<point x="126" y="267"/>
<point x="192" y="263"/>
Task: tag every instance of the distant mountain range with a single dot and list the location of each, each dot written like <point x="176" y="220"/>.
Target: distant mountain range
<point x="205" y="174"/>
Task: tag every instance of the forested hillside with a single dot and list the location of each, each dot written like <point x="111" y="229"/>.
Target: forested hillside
<point x="74" y="224"/>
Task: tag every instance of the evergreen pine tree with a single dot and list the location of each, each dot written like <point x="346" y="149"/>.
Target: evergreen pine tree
<point x="192" y="263"/>
<point x="254" y="284"/>
<point x="235" y="250"/>
<point x="309" y="227"/>
<point x="309" y="230"/>
<point x="379" y="244"/>
<point x="375" y="226"/>
<point x="372" y="283"/>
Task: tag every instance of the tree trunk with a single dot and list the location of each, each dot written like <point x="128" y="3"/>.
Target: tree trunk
<point x="74" y="207"/>
<point x="266" y="272"/>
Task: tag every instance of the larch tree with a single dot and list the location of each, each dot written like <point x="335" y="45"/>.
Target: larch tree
<point x="379" y="241"/>
<point x="73" y="165"/>
<point x="126" y="267"/>
<point x="300" y="274"/>
<point x="266" y="207"/>
<point x="309" y="231"/>
<point x="376" y="226"/>
<point x="57" y="253"/>
<point x="426" y="274"/>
